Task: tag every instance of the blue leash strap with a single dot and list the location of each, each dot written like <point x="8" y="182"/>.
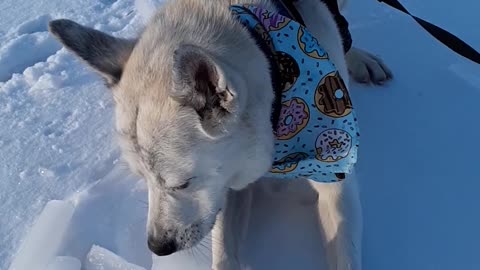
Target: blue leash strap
<point x="448" y="39"/>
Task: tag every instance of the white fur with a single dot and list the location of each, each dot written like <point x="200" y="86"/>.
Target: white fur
<point x="233" y="160"/>
<point x="166" y="141"/>
<point x="339" y="208"/>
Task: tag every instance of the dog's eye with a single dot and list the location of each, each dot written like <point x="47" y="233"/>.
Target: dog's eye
<point x="184" y="185"/>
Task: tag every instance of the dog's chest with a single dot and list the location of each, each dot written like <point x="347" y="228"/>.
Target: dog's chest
<point x="313" y="118"/>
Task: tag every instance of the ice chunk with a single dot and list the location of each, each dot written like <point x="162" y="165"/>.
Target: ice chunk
<point x="102" y="259"/>
<point x="41" y="243"/>
<point x="64" y="263"/>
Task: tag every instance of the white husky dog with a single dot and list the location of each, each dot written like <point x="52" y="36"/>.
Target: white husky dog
<point x="193" y="99"/>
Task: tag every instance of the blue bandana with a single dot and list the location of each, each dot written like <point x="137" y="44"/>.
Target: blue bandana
<point x="314" y="123"/>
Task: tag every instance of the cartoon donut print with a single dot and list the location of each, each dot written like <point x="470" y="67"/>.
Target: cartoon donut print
<point x="333" y="145"/>
<point x="288" y="69"/>
<point x="271" y="21"/>
<point x="331" y="96"/>
<point x="294" y="116"/>
<point x="309" y="45"/>
<point x="260" y="30"/>
<point x="288" y="163"/>
<point x="236" y="10"/>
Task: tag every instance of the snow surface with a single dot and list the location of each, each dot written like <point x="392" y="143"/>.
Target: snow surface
<point x="417" y="161"/>
<point x="64" y="263"/>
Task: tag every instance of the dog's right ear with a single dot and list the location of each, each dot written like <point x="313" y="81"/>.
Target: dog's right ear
<point x="200" y="82"/>
<point x="104" y="53"/>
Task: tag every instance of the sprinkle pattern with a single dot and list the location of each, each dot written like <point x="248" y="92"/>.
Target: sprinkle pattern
<point x="317" y="131"/>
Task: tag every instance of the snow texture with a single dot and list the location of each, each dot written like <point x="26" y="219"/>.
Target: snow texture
<point x="64" y="263"/>
<point x="417" y="160"/>
<point x="101" y="259"/>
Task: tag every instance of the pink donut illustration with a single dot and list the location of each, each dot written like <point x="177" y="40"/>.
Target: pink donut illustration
<point x="294" y="117"/>
<point x="271" y="21"/>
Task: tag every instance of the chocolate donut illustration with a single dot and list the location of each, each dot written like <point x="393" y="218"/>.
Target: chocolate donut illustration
<point x="309" y="45"/>
<point x="260" y="30"/>
<point x="288" y="163"/>
<point x="294" y="117"/>
<point x="288" y="69"/>
<point x="333" y="145"/>
<point x="331" y="96"/>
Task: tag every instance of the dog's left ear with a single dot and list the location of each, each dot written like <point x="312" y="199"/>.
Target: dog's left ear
<point x="200" y="82"/>
<point x="104" y="53"/>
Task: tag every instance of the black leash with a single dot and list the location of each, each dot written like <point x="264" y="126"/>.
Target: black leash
<point x="450" y="40"/>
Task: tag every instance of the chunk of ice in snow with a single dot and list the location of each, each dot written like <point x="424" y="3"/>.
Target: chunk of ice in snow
<point x="99" y="258"/>
<point x="64" y="263"/>
<point x="42" y="242"/>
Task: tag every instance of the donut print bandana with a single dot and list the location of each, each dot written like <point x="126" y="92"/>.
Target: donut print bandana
<point x="317" y="131"/>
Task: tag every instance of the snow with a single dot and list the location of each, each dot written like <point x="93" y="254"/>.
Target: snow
<point x="64" y="263"/>
<point x="102" y="259"/>
<point x="40" y="45"/>
<point x="418" y="155"/>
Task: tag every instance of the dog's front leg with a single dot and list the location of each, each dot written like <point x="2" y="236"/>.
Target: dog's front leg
<point x="340" y="215"/>
<point x="230" y="230"/>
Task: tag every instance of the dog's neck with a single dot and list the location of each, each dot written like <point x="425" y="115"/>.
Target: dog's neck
<point x="286" y="9"/>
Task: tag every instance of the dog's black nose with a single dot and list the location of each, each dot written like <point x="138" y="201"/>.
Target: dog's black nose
<point x="162" y="248"/>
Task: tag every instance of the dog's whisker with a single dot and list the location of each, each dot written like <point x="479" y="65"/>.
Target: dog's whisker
<point x="142" y="202"/>
<point x="140" y="220"/>
<point x="201" y="251"/>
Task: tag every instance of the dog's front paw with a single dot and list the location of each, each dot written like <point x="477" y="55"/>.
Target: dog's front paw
<point x="365" y="67"/>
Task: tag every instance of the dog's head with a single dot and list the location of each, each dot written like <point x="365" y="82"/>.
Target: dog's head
<point x="184" y="125"/>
